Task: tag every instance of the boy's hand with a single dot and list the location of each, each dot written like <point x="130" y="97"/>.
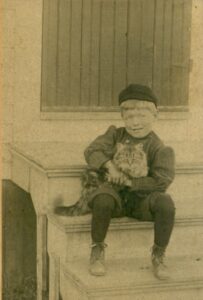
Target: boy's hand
<point x="128" y="182"/>
<point x="116" y="176"/>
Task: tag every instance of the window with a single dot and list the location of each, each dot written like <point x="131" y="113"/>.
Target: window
<point x="94" y="48"/>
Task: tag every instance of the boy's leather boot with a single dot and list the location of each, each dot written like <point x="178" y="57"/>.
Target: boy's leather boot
<point x="97" y="266"/>
<point x="159" y="269"/>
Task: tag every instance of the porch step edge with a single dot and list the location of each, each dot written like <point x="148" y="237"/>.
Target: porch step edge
<point x="83" y="223"/>
<point x="122" y="290"/>
<point x="76" y="170"/>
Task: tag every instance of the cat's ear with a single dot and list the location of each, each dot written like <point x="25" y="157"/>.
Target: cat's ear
<point x="139" y="147"/>
<point x="119" y="146"/>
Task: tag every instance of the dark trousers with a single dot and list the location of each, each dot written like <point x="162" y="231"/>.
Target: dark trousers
<point x="161" y="208"/>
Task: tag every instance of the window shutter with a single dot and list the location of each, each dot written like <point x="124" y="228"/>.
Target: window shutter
<point x="94" y="48"/>
<point x="172" y="51"/>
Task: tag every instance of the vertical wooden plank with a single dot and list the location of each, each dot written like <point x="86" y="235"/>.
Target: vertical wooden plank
<point x="75" y="54"/>
<point x="63" y="67"/>
<point x="29" y="237"/>
<point x="120" y="27"/>
<point x="106" y="53"/>
<point x="85" y="55"/>
<point x="177" y="53"/>
<point x="171" y="51"/>
<point x="45" y="24"/>
<point x="41" y="256"/>
<point x="148" y="11"/>
<point x="158" y="49"/>
<point x="134" y="41"/>
<point x="95" y="52"/>
<point x="52" y="52"/>
<point x="187" y="14"/>
<point x="54" y="275"/>
<point x="166" y="54"/>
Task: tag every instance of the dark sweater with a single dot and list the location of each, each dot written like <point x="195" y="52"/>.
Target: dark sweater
<point x="160" y="158"/>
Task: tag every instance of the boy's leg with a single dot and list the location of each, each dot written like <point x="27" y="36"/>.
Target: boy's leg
<point x="103" y="206"/>
<point x="102" y="210"/>
<point x="163" y="210"/>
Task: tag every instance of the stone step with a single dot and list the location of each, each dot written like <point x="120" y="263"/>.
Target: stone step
<point x="57" y="167"/>
<point x="126" y="237"/>
<point x="132" y="279"/>
<point x="186" y="190"/>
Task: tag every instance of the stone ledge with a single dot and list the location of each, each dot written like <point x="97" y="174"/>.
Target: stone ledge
<point x="76" y="170"/>
<point x="56" y="159"/>
<point x="167" y="113"/>
<point x="82" y="223"/>
<point x="133" y="276"/>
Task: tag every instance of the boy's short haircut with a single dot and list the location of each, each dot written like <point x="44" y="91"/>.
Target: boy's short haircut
<point x="137" y="104"/>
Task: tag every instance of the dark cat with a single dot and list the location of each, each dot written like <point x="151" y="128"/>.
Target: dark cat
<point x="129" y="159"/>
<point x="90" y="180"/>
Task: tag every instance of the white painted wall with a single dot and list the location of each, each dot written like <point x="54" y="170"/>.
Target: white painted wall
<point x="8" y="82"/>
<point x="22" y="82"/>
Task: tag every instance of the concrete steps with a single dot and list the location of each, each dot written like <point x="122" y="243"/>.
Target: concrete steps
<point x="126" y="237"/>
<point x="186" y="190"/>
<point x="132" y="279"/>
<point x="47" y="171"/>
<point x="129" y="241"/>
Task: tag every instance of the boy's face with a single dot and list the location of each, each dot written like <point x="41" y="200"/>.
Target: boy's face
<point x="138" y="121"/>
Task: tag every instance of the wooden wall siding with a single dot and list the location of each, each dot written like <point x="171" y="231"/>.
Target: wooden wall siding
<point x="172" y="51"/>
<point x="93" y="48"/>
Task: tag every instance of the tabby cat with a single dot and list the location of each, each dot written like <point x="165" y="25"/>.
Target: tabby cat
<point x="129" y="159"/>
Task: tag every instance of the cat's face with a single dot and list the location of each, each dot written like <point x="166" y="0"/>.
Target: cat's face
<point x="128" y="153"/>
<point x="131" y="159"/>
<point x="138" y="122"/>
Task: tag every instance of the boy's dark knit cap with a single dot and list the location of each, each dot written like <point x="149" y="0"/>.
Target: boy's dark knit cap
<point x="137" y="92"/>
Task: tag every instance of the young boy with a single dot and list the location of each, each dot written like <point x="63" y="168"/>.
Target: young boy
<point x="142" y="198"/>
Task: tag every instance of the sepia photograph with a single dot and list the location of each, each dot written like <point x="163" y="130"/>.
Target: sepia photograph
<point x="102" y="160"/>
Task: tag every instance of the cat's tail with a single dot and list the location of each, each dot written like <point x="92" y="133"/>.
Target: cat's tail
<point x="78" y="209"/>
<point x="60" y="209"/>
<point x="66" y="210"/>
